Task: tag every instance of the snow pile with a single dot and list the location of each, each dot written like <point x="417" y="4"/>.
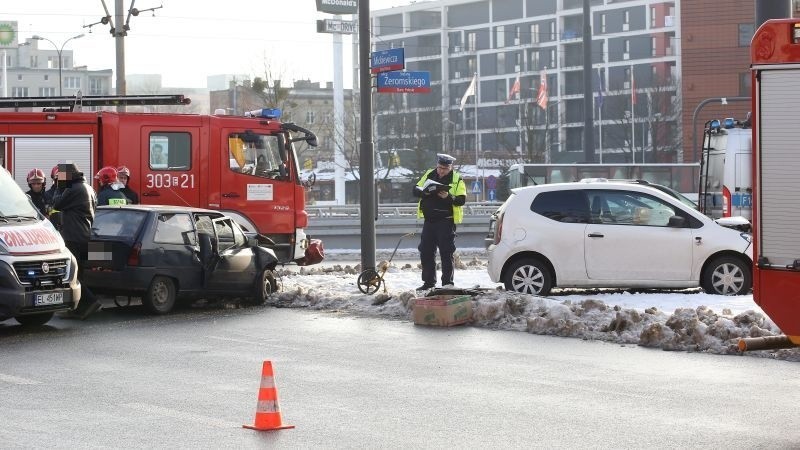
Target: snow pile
<point x="680" y="320"/>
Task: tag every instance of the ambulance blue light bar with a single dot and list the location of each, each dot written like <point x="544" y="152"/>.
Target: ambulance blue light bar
<point x="714" y="125"/>
<point x="264" y="113"/>
<point x="729" y="122"/>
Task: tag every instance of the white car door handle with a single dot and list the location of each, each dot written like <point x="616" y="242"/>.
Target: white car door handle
<point x="596" y="235"/>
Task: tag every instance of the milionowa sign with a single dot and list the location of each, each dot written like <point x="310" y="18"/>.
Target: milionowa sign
<point x="338" y="6"/>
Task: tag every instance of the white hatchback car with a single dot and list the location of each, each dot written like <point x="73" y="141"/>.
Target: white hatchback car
<point x="609" y="234"/>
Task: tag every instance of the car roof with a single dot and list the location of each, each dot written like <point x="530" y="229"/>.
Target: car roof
<point x="590" y="184"/>
<point x="158" y="208"/>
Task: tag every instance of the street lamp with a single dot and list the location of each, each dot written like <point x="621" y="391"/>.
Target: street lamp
<point x="36" y="37"/>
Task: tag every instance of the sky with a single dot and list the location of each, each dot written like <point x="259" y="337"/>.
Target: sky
<point x="677" y="320"/>
<point x="190" y="39"/>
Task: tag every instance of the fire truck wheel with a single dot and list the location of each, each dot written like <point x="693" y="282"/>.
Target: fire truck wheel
<point x="265" y="285"/>
<point x="727" y="275"/>
<point x="34" y="319"/>
<point x="160" y="296"/>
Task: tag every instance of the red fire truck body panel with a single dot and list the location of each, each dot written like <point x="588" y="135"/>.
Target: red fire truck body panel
<point x="245" y="166"/>
<point x="775" y="56"/>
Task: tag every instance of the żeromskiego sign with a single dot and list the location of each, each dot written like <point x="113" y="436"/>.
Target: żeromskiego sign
<point x="337" y="6"/>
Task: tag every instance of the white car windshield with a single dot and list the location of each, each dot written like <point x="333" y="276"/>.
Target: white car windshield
<point x="14" y="202"/>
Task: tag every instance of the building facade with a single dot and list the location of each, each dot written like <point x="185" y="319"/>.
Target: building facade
<point x="635" y="64"/>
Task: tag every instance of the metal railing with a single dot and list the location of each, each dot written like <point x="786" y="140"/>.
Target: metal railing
<point x="392" y="210"/>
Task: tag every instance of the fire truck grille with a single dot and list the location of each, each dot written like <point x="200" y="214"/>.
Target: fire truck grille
<point x="41" y="275"/>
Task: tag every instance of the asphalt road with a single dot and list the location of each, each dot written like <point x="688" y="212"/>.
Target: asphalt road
<point x="190" y="380"/>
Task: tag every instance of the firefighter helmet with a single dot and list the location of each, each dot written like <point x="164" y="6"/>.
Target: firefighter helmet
<point x="106" y="175"/>
<point x="54" y="172"/>
<point x="123" y="170"/>
<point x="36" y="175"/>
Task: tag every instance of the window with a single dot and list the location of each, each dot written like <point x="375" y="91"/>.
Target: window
<point x="602" y="23"/>
<point x="310" y="117"/>
<point x="535" y="33"/>
<point x="501" y="63"/>
<point x="653" y="45"/>
<point x="745" y="84"/>
<point x="52" y="62"/>
<point x="170" y="151"/>
<point x="746" y="31"/>
<point x="72" y="82"/>
<point x="500" y="37"/>
<point x="472" y="41"/>
<point x="228" y="234"/>
<point x="552" y="30"/>
<point x="19" y="92"/>
<point x="46" y="77"/>
<point x="95" y="86"/>
<point x="631" y="208"/>
<point x="652" y="17"/>
<point x="34" y="61"/>
<point x="47" y="92"/>
<point x="626" y="17"/>
<point x="257" y="155"/>
<point x="534" y="60"/>
<point x="176" y="229"/>
<point x="553" y="58"/>
<point x="562" y="206"/>
<point x="19" y="77"/>
<point x="117" y="222"/>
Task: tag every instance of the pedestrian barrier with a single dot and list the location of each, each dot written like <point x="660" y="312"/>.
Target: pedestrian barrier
<point x="268" y="413"/>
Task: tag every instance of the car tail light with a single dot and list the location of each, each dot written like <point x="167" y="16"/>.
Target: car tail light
<point x="726" y="202"/>
<point x="133" y="256"/>
<point x="498" y="229"/>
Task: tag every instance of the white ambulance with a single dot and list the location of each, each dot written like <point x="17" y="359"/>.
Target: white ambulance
<point x="38" y="275"/>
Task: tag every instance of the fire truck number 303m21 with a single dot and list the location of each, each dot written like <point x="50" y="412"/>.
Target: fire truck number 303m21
<point x="245" y="166"/>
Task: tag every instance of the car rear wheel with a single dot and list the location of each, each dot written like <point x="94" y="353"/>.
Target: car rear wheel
<point x="34" y="319"/>
<point x="266" y="285"/>
<point x="529" y="276"/>
<point x="160" y="296"/>
<point x="727" y="275"/>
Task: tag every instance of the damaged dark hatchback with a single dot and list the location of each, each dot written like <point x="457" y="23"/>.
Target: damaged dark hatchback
<point x="166" y="253"/>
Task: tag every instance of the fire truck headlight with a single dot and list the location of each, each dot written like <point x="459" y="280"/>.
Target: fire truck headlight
<point x="747" y="237"/>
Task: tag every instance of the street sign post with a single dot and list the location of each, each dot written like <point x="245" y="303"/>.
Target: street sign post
<point x="404" y="82"/>
<point x="388" y="60"/>
<point x="337" y="26"/>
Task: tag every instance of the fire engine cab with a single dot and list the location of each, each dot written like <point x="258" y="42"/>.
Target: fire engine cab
<point x="775" y="56"/>
<point x="244" y="166"/>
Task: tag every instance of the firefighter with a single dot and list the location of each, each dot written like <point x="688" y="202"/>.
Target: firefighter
<point x="37" y="183"/>
<point x="124" y="176"/>
<point x="110" y="188"/>
<point x="76" y="201"/>
<point x="442" y="195"/>
<point x="51" y="193"/>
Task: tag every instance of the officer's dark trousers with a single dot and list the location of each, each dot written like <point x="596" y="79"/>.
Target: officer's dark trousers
<point x="441" y="234"/>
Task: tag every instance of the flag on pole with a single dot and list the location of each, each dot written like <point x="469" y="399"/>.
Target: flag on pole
<point x="541" y="96"/>
<point x="470" y="91"/>
<point x="599" y="100"/>
<point x="633" y="88"/>
<point x="514" y="89"/>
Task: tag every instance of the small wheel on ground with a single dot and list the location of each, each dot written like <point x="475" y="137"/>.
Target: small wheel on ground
<point x="529" y="276"/>
<point x="369" y="281"/>
<point x="727" y="275"/>
<point x="265" y="285"/>
<point x="34" y="319"/>
<point x="160" y="296"/>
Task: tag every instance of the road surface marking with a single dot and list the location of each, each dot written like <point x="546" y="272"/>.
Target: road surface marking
<point x="17" y="380"/>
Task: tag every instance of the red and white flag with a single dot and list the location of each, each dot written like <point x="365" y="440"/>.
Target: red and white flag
<point x="541" y="96"/>
<point x="514" y="90"/>
<point x="633" y="89"/>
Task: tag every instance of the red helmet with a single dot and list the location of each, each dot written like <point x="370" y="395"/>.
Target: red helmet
<point x="123" y="170"/>
<point x="106" y="175"/>
<point x="36" y="175"/>
<point x="54" y="172"/>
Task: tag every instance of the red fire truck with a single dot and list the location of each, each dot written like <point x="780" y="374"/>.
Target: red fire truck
<point x="244" y="166"/>
<point x="775" y="56"/>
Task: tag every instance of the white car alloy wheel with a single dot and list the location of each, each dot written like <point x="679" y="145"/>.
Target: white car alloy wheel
<point x="529" y="276"/>
<point x="727" y="276"/>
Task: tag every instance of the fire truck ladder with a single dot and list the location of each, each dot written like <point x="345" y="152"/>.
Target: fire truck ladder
<point x="62" y="103"/>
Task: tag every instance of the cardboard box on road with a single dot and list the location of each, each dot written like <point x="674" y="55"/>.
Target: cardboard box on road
<point x="442" y="310"/>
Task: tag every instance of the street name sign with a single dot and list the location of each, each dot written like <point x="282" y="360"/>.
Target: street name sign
<point x="388" y="60"/>
<point x="404" y="82"/>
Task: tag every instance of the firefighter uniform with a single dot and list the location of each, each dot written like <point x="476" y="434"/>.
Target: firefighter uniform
<point x="442" y="195"/>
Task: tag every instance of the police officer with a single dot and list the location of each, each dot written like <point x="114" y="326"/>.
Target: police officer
<point x="76" y="201"/>
<point x="110" y="193"/>
<point x="442" y="195"/>
<point x="124" y="176"/>
<point x="36" y="183"/>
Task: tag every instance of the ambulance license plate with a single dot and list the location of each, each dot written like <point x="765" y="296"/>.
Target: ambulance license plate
<point x="51" y="298"/>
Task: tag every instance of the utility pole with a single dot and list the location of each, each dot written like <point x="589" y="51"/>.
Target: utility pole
<point x="588" y="109"/>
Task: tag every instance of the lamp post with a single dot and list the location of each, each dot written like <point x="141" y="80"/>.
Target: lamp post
<point x="59" y="50"/>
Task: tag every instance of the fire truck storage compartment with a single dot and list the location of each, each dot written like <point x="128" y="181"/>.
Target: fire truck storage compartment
<point x="45" y="152"/>
<point x="779" y="164"/>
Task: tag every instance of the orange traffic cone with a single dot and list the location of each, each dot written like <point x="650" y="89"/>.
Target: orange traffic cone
<point x="268" y="413"/>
